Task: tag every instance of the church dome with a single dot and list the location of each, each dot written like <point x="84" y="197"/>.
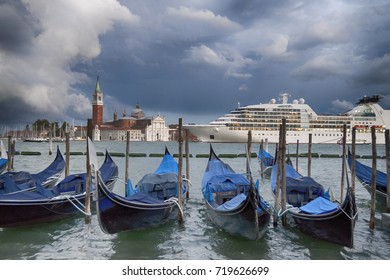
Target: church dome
<point x="138" y="113"/>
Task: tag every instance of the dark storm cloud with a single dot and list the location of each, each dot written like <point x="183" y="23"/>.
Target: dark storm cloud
<point x="192" y="59"/>
<point x="15" y="32"/>
<point x="41" y="80"/>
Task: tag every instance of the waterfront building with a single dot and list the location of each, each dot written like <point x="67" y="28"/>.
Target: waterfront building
<point x="141" y="127"/>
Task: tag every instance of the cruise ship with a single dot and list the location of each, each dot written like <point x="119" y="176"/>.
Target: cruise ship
<point x="264" y="121"/>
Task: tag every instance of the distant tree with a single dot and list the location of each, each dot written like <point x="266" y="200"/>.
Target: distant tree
<point x="65" y="127"/>
<point x="41" y="125"/>
<point x="54" y="129"/>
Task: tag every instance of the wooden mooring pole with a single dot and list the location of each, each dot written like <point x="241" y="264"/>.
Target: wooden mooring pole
<point x="283" y="173"/>
<point x="50" y="143"/>
<point x="343" y="167"/>
<point x="180" y="179"/>
<point x="387" y="145"/>
<point x="9" y="157"/>
<point x="278" y="179"/>
<point x="373" y="178"/>
<point x="309" y="156"/>
<point x="127" y="155"/>
<point x="67" y="155"/>
<point x="87" y="185"/>
<point x="249" y="151"/>
<point x="187" y="151"/>
<point x="297" y="156"/>
<point x="262" y="159"/>
<point x="353" y="162"/>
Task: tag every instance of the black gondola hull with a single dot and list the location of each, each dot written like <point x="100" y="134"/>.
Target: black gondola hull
<point x="117" y="214"/>
<point x="336" y="227"/>
<point x="34" y="212"/>
<point x="244" y="221"/>
<point x="248" y="219"/>
<point x="153" y="203"/>
<point x="30" y="209"/>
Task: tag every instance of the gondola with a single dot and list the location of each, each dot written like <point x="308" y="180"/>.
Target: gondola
<point x="63" y="200"/>
<point x="364" y="173"/>
<point x="233" y="203"/>
<point x="327" y="220"/>
<point x="267" y="158"/>
<point x="322" y="218"/>
<point x="299" y="189"/>
<point x="151" y="203"/>
<point x="266" y="161"/>
<point x="15" y="181"/>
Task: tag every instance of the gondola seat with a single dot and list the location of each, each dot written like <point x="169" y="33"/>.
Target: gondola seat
<point x="159" y="186"/>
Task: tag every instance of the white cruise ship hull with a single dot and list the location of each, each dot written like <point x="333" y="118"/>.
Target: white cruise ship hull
<point x="222" y="134"/>
<point x="301" y="121"/>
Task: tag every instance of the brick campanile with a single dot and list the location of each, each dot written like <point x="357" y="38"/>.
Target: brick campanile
<point x="97" y="105"/>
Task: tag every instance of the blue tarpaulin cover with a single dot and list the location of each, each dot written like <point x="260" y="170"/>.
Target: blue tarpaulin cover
<point x="364" y="173"/>
<point x="220" y="177"/>
<point x="232" y="203"/>
<point x="319" y="205"/>
<point x="144" y="198"/>
<point x="72" y="183"/>
<point x="290" y="173"/>
<point x="16" y="181"/>
<point x="297" y="184"/>
<point x="167" y="165"/>
<point x="130" y="190"/>
<point x="268" y="159"/>
<point x="223" y="183"/>
<point x="160" y="185"/>
<point x="58" y="165"/>
<point x="3" y="164"/>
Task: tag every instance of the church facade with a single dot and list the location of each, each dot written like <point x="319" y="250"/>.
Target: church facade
<point x="140" y="127"/>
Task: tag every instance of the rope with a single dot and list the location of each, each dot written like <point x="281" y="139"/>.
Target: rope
<point x="187" y="181"/>
<point x="285" y="211"/>
<point x="78" y="208"/>
<point x="120" y="180"/>
<point x="20" y="191"/>
<point x="330" y="140"/>
<point x="68" y="197"/>
<point x="175" y="200"/>
<point x="346" y="214"/>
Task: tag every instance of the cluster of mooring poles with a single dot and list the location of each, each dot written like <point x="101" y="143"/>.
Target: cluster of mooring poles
<point x="280" y="191"/>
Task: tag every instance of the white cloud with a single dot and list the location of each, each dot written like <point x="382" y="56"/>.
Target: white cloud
<point x="277" y="49"/>
<point x="243" y="87"/>
<point x="63" y="43"/>
<point x="67" y="32"/>
<point x="201" y="16"/>
<point x="191" y="24"/>
<point x="241" y="76"/>
<point x="223" y="57"/>
<point x="341" y="105"/>
<point x="328" y="64"/>
<point x="205" y="55"/>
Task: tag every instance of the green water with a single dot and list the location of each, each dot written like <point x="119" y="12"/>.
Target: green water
<point x="197" y="238"/>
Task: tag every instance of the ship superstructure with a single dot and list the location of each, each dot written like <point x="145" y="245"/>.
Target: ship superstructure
<point x="264" y="120"/>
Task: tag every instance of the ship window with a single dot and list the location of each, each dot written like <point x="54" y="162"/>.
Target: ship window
<point x="212" y="137"/>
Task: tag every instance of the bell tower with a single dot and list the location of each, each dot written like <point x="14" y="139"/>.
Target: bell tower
<point x="97" y="105"/>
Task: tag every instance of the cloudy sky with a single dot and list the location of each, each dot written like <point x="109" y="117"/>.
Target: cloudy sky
<point x="193" y="59"/>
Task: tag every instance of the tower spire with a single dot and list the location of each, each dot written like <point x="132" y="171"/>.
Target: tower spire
<point x="97" y="105"/>
<point x="97" y="89"/>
